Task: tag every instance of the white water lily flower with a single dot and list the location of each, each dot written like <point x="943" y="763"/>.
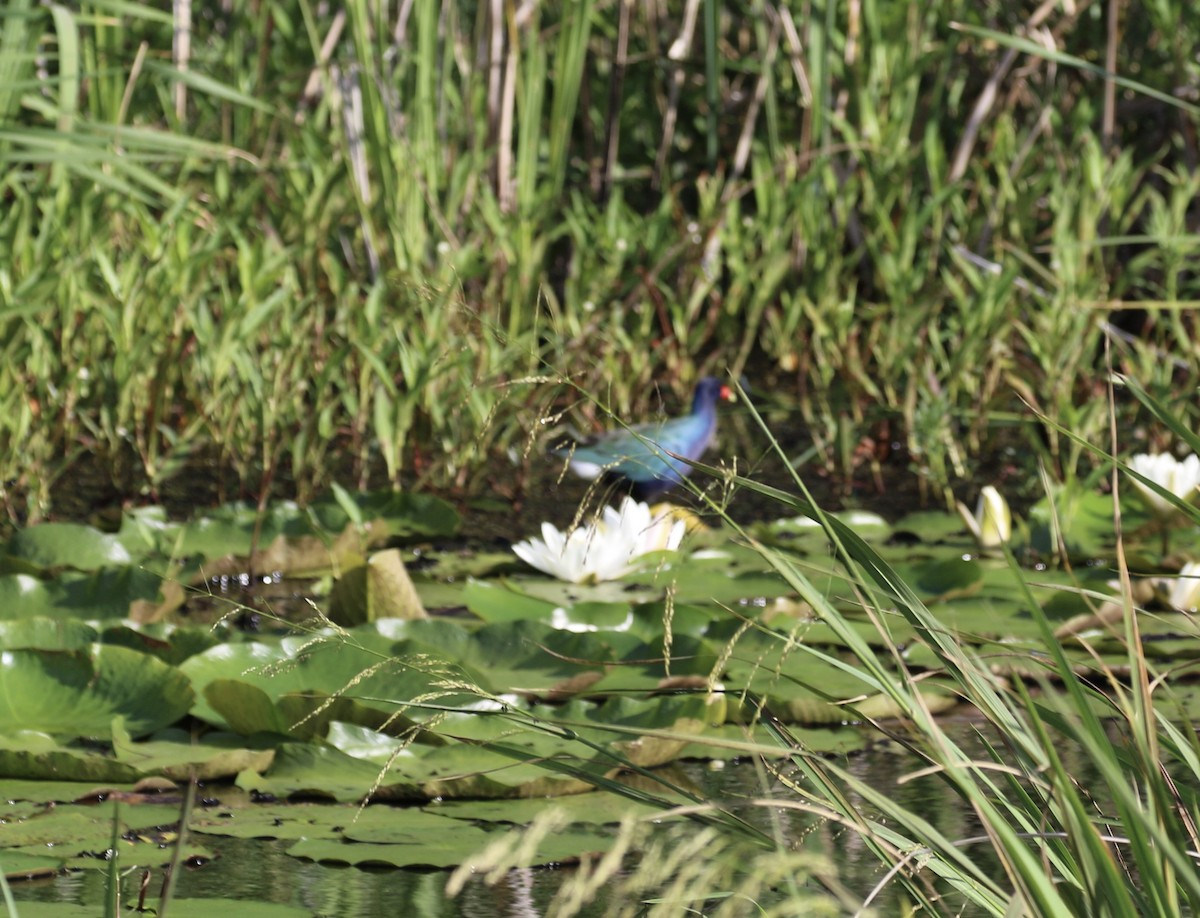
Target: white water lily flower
<point x="1180" y="478"/>
<point x="605" y="548"/>
<point x="561" y="621"/>
<point x="1183" y="591"/>
<point x="991" y="524"/>
<point x="861" y="519"/>
<point x="855" y="519"/>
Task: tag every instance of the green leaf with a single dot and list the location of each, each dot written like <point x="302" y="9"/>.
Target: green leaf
<point x="32" y="755"/>
<point x="381" y="588"/>
<point x="57" y="545"/>
<point x="21" y="866"/>
<point x="80" y="692"/>
<point x="106" y="593"/>
<point x="952" y="578"/>
<point x="405" y="838"/>
<point x="181" y="756"/>
<point x="46" y="634"/>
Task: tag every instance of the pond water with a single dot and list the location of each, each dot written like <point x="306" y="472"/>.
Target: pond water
<point x="262" y="871"/>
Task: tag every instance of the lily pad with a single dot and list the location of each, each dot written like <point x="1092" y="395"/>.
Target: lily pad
<point x="498" y="752"/>
<point x="28" y="754"/>
<point x="80" y="692"/>
<point x="68" y="545"/>
<point x="46" y="634"/>
<point x="380" y="588"/>
<point x="82" y="835"/>
<point x="299" y="678"/>
<point x="595" y="808"/>
<point x="206" y="908"/>
<point x="101" y="594"/>
<point x="447" y="846"/>
<point x="178" y="755"/>
<point x="949" y="579"/>
<point x="21" y="866"/>
<point x="303" y="770"/>
<point x="1082" y="519"/>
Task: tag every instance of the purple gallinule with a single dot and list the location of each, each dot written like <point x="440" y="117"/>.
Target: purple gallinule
<point x="650" y="458"/>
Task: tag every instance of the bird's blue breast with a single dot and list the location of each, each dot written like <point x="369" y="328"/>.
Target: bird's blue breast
<point x="642" y="454"/>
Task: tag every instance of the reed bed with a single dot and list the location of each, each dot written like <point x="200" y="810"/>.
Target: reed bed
<point x="270" y="235"/>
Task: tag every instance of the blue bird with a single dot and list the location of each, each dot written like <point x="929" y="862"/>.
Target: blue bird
<point x="649" y="458"/>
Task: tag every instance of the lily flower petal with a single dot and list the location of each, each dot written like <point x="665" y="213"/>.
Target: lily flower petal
<point x="605" y="548"/>
<point x="991" y="524"/>
<point x="1180" y="478"/>
<point x="1183" y="590"/>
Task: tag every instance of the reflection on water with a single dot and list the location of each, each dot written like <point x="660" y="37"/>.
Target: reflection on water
<point x="262" y="871"/>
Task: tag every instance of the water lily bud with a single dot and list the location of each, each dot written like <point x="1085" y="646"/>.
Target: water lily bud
<point x="991" y="523"/>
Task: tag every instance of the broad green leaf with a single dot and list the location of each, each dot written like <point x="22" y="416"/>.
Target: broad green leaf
<point x="46" y="634"/>
<point x="380" y="588"/>
<point x="363" y="670"/>
<point x="31" y="755"/>
<point x="21" y="866"/>
<point x="181" y="756"/>
<point x="102" y="594"/>
<point x="80" y="692"/>
<point x="207" y="907"/>
<point x="437" y="844"/>
<point x="70" y="545"/>
<point x="949" y="579"/>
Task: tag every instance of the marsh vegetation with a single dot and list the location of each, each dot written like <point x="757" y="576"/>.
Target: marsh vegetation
<point x="290" y="270"/>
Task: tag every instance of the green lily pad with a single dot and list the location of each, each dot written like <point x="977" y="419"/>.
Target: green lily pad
<point x="501" y="602"/>
<point x="403" y="514"/>
<point x="80" y="692"/>
<point x="46" y="634"/>
<point x="593" y="808"/>
<point x="178" y="755"/>
<point x="1082" y="519"/>
<point x="447" y="846"/>
<point x="949" y="579"/>
<point x="233" y="529"/>
<point x="170" y="643"/>
<point x="81" y="835"/>
<point x="238" y="528"/>
<point x="68" y="545"/>
<point x="930" y="527"/>
<point x="732" y="741"/>
<point x="800" y="686"/>
<point x="497" y="752"/>
<point x="291" y="820"/>
<point x="188" y="908"/>
<point x="53" y="791"/>
<point x="101" y="594"/>
<point x="28" y="754"/>
<point x="299" y="678"/>
<point x="206" y="908"/>
<point x="21" y="866"/>
<point x="380" y="588"/>
<point x="303" y="770"/>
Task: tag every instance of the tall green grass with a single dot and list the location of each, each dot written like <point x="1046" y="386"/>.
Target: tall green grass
<point x="335" y="231"/>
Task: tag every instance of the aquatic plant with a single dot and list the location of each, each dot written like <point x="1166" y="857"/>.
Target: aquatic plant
<point x="607" y="547"/>
<point x="1180" y="478"/>
<point x="1183" y="590"/>
<point x="991" y="524"/>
